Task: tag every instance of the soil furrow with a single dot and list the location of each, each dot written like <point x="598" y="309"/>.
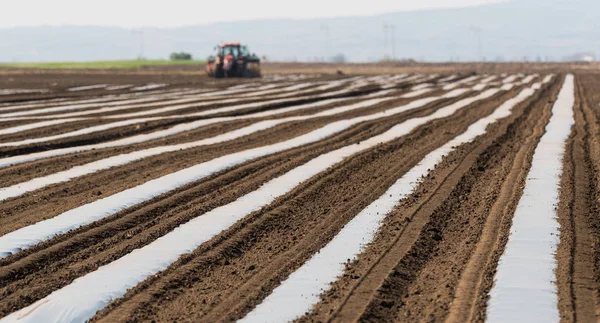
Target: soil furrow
<point x="258" y="99"/>
<point x="34" y="205"/>
<point x="46" y="165"/>
<point x="407" y="260"/>
<point x="170" y="184"/>
<point x="265" y="107"/>
<point x="104" y="135"/>
<point x="123" y="132"/>
<point x="305" y="232"/>
<point x="142" y="217"/>
<point x="574" y="200"/>
<point x="469" y="296"/>
<point x="577" y="275"/>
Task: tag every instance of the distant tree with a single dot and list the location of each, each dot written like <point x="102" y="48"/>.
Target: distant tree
<point x="181" y="56"/>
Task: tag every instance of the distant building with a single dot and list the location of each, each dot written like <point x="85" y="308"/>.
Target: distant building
<point x="581" y="57"/>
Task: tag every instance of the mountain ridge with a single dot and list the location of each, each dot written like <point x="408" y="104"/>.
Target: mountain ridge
<point x="513" y="30"/>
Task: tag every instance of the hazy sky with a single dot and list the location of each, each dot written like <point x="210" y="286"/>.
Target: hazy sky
<point x="172" y="13"/>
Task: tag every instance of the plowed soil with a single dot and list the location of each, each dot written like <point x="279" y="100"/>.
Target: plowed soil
<point x="433" y="259"/>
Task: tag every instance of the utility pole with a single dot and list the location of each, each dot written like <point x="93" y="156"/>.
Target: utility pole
<point x="325" y="28"/>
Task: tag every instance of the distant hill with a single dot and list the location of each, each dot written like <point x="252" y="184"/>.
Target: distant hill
<point x="532" y="29"/>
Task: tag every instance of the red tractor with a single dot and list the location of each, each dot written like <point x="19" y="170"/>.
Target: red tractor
<point x="233" y="60"/>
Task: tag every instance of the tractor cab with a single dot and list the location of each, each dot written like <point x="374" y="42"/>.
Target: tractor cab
<point x="233" y="50"/>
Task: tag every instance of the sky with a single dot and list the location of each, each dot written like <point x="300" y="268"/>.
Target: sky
<point x="175" y="13"/>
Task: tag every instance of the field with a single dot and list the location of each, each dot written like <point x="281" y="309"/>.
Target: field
<point x="451" y="194"/>
<point x="129" y="64"/>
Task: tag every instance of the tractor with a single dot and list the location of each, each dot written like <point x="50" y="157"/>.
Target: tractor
<point x="233" y="60"/>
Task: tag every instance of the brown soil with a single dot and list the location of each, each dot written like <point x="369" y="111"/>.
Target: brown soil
<point x="411" y="271"/>
<point x="28" y="208"/>
<point x="312" y="218"/>
<point x="434" y="258"/>
<point x="578" y="214"/>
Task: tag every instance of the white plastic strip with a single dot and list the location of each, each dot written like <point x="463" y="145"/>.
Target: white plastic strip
<point x="242" y="86"/>
<point x="416" y="93"/>
<point x="421" y="86"/>
<point x="510" y="79"/>
<point x="448" y="79"/>
<point x="160" y="110"/>
<point x="81" y="299"/>
<point x="36" y="125"/>
<point x="119" y="87"/>
<point x="238" y="90"/>
<point x="192" y="95"/>
<point x="40" y="182"/>
<point x="75" y="133"/>
<point x="397" y="77"/>
<point x="151" y="136"/>
<point x="22" y="91"/>
<point x="380" y="93"/>
<point x="489" y="79"/>
<point x="97" y="108"/>
<point x="460" y="82"/>
<point x="415" y="78"/>
<point x="547" y="79"/>
<point x="112" y="98"/>
<point x="52" y="102"/>
<point x="168" y="105"/>
<point x="64" y="101"/>
<point x="524" y="288"/>
<point x="326" y="86"/>
<point x="432" y="76"/>
<point x="294" y="87"/>
<point x="26" y="103"/>
<point x="87" y="87"/>
<point x="117" y="124"/>
<point x="150" y="86"/>
<point x="528" y="79"/>
<point x="228" y="108"/>
<point x="480" y="86"/>
<point x="77" y="171"/>
<point x="76" y="107"/>
<point x="41" y="231"/>
<point x="300" y="291"/>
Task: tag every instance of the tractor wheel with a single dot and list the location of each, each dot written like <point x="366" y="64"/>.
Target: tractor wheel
<point x="219" y="72"/>
<point x="254" y="70"/>
<point x="244" y="72"/>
